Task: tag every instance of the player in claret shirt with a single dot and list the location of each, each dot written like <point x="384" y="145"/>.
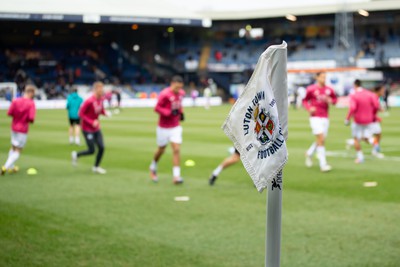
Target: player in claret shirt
<point x="317" y="100"/>
<point x="22" y="111"/>
<point x="169" y="108"/>
<point x="89" y="113"/>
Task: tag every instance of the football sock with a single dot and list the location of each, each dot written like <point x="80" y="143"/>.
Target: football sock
<point x="311" y="150"/>
<point x="153" y="165"/>
<point x="77" y="140"/>
<point x="360" y="156"/>
<point x="9" y="154"/>
<point x="217" y="171"/>
<point x="377" y="148"/>
<point x="176" y="171"/>
<point x="71" y="139"/>
<point x="13" y="156"/>
<point x="321" y="155"/>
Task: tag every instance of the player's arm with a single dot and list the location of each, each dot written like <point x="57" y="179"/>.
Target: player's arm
<point x="104" y="111"/>
<point x="332" y="98"/>
<point x="32" y="114"/>
<point x="82" y="113"/>
<point x="306" y="102"/>
<point x="350" y="113"/>
<point x="160" y="106"/>
<point x="182" y="115"/>
<point x="376" y="105"/>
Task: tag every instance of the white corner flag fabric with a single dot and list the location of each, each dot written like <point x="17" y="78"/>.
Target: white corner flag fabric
<point x="257" y="123"/>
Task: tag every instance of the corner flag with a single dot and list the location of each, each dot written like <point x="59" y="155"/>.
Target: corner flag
<point x="257" y="123"/>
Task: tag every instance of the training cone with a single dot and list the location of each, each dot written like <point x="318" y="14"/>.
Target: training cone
<point x="31" y="171"/>
<point x="190" y="163"/>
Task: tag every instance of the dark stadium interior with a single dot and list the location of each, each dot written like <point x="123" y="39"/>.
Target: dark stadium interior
<point x="56" y="55"/>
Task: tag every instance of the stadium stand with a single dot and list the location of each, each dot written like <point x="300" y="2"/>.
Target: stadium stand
<point x="50" y="55"/>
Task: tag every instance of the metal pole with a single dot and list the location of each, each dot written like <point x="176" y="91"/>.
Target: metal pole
<point x="274" y="220"/>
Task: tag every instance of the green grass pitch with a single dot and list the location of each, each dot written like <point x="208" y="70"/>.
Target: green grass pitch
<point x="66" y="216"/>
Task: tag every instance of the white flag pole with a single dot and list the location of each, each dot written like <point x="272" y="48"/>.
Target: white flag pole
<point x="265" y="96"/>
<point x="274" y="219"/>
<point x="278" y="77"/>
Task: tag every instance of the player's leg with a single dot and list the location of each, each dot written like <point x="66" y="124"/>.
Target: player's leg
<point x="232" y="159"/>
<point x="98" y="139"/>
<point x="320" y="137"/>
<point x="18" y="141"/>
<point x="359" y="153"/>
<point x="176" y="159"/>
<point x="157" y="155"/>
<point x="321" y="153"/>
<point x="77" y="132"/>
<point x="118" y="100"/>
<point x="309" y="153"/>
<point x="71" y="131"/>
<point x="176" y="141"/>
<point x="162" y="141"/>
<point x="90" y="148"/>
<point x="358" y="136"/>
<point x="13" y="156"/>
<point x="315" y="128"/>
<point x="376" y="142"/>
<point x="89" y="138"/>
<point x="153" y="165"/>
<point x="377" y="135"/>
<point x="7" y="163"/>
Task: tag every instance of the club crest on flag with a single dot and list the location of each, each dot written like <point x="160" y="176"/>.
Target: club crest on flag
<point x="264" y="125"/>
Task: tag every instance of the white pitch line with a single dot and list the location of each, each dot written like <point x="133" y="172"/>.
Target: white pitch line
<point x="345" y="154"/>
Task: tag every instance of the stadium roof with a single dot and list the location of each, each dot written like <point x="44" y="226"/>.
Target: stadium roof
<point x="197" y="9"/>
<point x="225" y="9"/>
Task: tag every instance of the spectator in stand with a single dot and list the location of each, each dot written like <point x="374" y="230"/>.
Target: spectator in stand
<point x="218" y="55"/>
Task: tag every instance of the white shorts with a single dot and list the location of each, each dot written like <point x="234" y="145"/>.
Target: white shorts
<point x="319" y="125"/>
<point x="360" y="131"/>
<point x="375" y="128"/>
<point x="18" y="139"/>
<point x="166" y="135"/>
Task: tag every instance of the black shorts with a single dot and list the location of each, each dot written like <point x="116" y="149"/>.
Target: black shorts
<point x="74" y="121"/>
